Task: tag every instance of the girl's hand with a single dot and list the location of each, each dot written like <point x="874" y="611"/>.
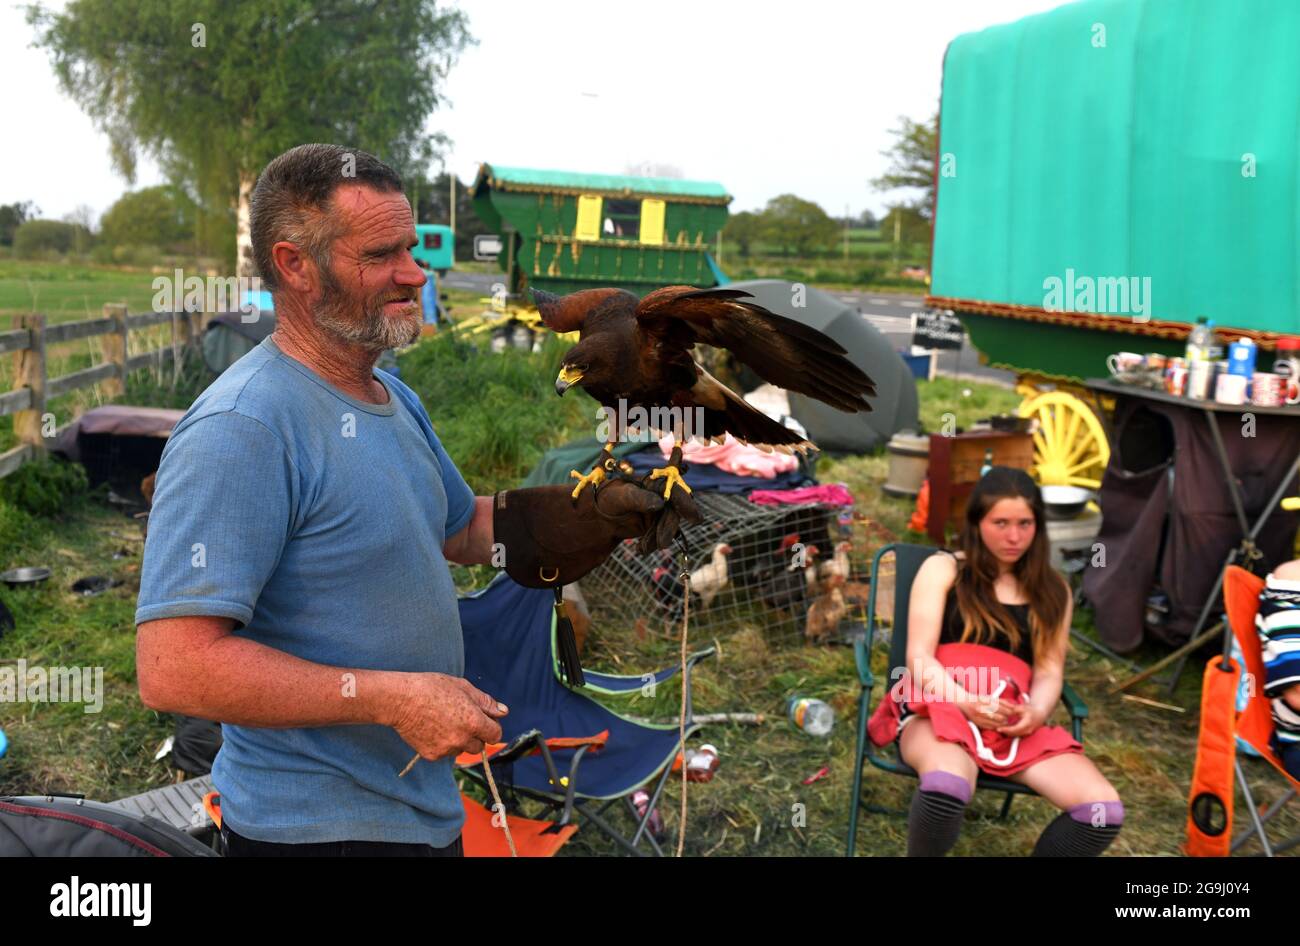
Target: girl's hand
<point x="988" y="714"/>
<point x="1031" y="717"/>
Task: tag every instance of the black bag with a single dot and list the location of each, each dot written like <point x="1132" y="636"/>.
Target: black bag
<point x="195" y="745"/>
<point x="46" y="826"/>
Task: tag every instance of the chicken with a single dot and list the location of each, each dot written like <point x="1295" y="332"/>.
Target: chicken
<point x="709" y="579"/>
<point x="782" y="578"/>
<point x="837" y="569"/>
<point x="706" y="582"/>
<point x="825" y="614"/>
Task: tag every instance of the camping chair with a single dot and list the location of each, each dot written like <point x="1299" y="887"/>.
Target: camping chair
<point x="907" y="562"/>
<point x="1210" y="801"/>
<point x="480" y="837"/>
<point x="509" y="634"/>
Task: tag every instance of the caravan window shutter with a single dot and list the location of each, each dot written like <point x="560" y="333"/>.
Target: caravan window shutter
<point x="652" y="221"/>
<point x="588" y="225"/>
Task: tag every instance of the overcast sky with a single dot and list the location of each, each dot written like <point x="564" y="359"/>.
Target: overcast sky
<point x="763" y="96"/>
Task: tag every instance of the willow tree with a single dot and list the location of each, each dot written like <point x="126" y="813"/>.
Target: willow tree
<point x="213" y="89"/>
<point x="911" y="162"/>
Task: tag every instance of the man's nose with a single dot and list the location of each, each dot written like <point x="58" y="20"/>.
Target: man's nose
<point x="410" y="273"/>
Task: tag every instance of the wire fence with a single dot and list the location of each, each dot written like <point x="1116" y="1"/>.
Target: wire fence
<point x="790" y="569"/>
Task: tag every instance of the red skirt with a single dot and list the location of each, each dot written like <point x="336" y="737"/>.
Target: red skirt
<point x="981" y="671"/>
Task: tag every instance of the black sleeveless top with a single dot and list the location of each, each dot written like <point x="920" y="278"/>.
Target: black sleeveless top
<point x="950" y="632"/>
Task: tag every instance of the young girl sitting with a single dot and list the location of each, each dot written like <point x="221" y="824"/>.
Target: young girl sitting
<point x="986" y="642"/>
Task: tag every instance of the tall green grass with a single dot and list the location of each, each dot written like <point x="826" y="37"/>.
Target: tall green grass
<point x="496" y="413"/>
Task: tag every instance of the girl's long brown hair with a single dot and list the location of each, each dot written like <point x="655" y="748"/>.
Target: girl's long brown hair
<point x="977" y="602"/>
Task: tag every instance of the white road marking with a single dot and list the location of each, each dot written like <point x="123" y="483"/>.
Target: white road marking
<point x="910" y="305"/>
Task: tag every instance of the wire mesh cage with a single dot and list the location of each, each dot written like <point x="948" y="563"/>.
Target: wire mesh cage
<point x="784" y="568"/>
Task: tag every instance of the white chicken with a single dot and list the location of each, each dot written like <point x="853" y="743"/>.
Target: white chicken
<point x="709" y="579"/>
<point x="837" y="569"/>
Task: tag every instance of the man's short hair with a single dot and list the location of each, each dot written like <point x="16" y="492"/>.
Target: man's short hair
<point x="292" y="200"/>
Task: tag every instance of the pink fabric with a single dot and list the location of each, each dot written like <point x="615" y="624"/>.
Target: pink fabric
<point x="834" y="493"/>
<point x="732" y="456"/>
<point x="950" y="723"/>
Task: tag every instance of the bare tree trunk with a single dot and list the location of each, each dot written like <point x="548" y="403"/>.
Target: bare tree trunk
<point x="244" y="265"/>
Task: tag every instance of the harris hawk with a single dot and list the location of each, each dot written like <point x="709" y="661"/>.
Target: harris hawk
<point x="637" y="353"/>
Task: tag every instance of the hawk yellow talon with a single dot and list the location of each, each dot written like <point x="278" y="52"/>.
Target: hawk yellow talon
<point x="672" y="475"/>
<point x="595" y="478"/>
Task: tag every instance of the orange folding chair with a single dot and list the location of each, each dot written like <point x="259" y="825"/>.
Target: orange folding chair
<point x="1210" y="801"/>
<point x="483" y="835"/>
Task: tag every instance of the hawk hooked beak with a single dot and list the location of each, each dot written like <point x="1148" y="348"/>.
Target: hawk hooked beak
<point x="569" y="376"/>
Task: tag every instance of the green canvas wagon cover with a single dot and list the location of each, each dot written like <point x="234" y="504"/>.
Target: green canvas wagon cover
<point x="1111" y="170"/>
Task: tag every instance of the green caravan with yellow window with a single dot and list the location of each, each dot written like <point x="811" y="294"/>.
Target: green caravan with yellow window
<point x="563" y="231"/>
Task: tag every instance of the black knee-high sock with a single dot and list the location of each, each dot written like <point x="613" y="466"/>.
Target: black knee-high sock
<point x="1083" y="831"/>
<point x="935" y="818"/>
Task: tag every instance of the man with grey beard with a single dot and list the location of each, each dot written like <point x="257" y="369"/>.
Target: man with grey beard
<point x="295" y="583"/>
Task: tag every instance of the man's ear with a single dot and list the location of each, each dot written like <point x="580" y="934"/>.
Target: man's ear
<point x="296" y="269"/>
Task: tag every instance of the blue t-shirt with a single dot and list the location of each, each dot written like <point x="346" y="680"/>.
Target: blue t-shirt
<point x="317" y="522"/>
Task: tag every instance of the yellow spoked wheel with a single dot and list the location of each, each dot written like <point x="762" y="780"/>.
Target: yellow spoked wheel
<point x="1070" y="446"/>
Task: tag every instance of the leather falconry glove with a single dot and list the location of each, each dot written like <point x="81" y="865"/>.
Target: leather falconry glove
<point x="550" y="540"/>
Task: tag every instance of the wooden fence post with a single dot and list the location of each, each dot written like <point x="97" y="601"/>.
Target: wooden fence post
<point x="29" y="372"/>
<point x="181" y="330"/>
<point x="113" y="347"/>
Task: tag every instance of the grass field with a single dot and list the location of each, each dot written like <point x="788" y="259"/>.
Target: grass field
<point x="66" y="292"/>
<point x="749" y="807"/>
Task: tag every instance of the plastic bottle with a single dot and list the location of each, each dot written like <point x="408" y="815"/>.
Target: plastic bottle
<point x="988" y="462"/>
<point x="641" y="801"/>
<point x="701" y="765"/>
<point x="1197" y="341"/>
<point x="1204" y="344"/>
<point x="812" y="716"/>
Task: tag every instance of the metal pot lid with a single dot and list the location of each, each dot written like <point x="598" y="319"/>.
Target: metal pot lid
<point x="27" y="575"/>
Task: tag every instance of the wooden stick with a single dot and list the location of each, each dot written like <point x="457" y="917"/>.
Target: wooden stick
<point x="1145" y="702"/>
<point x="749" y="719"/>
<point x="1169" y="658"/>
<point x="681" y="722"/>
<point x="497" y="805"/>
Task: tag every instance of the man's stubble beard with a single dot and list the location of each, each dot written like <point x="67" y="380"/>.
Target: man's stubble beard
<point x="335" y="314"/>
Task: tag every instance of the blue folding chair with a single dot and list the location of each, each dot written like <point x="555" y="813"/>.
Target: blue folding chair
<point x="509" y="634"/>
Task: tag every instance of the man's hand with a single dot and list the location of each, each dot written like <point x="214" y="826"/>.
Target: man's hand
<point x="551" y="539"/>
<point x="440" y="715"/>
<point x="681" y="507"/>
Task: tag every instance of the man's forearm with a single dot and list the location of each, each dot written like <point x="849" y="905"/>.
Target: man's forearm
<point x="239" y="681"/>
<point x="472" y="545"/>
